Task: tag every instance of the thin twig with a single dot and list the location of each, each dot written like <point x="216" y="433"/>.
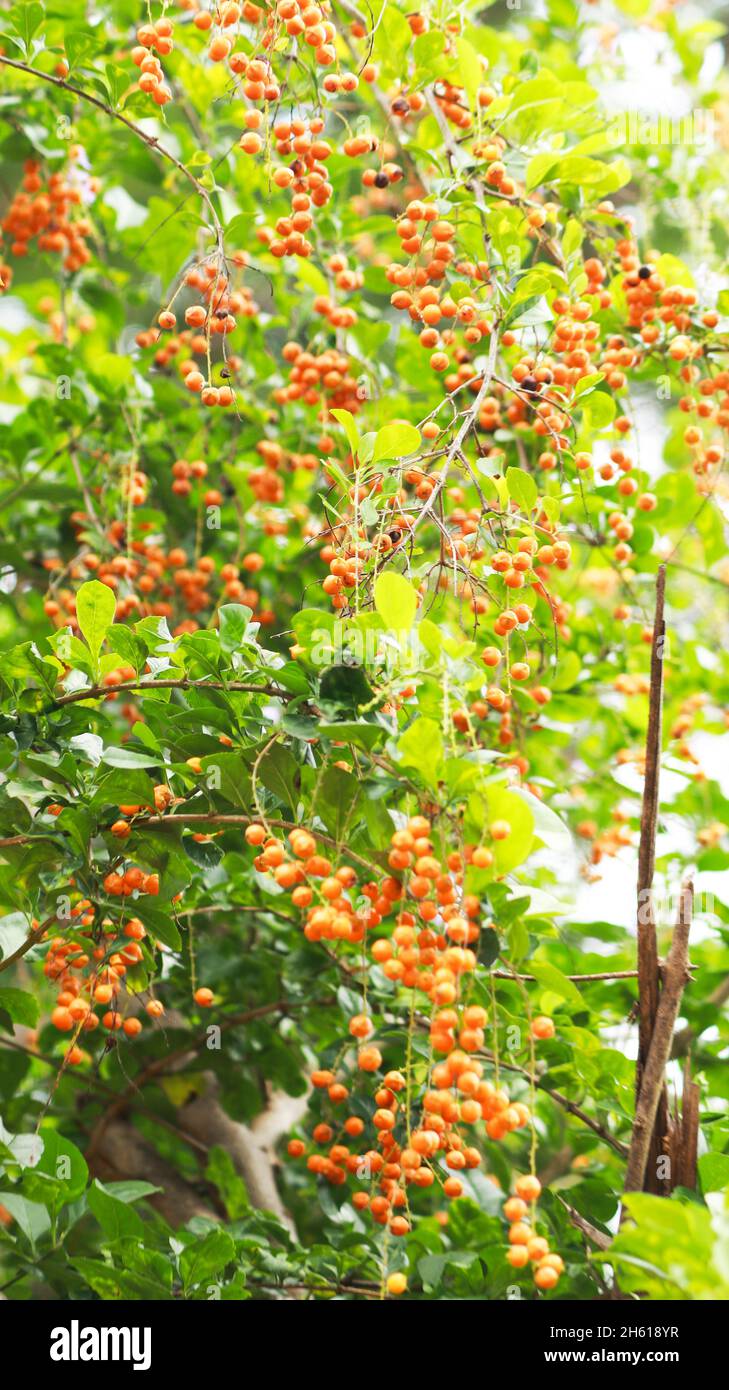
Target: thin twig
<point x="150" y="141"/>
<point x="98" y="692"/>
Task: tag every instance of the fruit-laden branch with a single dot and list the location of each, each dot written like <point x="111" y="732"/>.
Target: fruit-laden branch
<point x="150" y="141"/>
<point x="566" y="1104"/>
<point x="675" y="976"/>
<point x="468" y="420"/>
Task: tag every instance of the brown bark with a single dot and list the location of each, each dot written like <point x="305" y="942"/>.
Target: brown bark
<point x="686" y="1133"/>
<point x="250" y="1147"/>
<point x="648" y="971"/>
<point x="652" y="1087"/>
<point x="115" y="1143"/>
<point x="122" y="1152"/>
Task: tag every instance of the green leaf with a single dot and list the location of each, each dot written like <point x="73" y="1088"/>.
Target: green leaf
<point x="346" y="420"/>
<point x="396" y="441"/>
<point x="95" y="609"/>
<point x="112" y="372"/>
<point x="130" y="648"/>
<point x="63" y="1162"/>
<point x="553" y="980"/>
<point x="714" y="1172"/>
<point x="113" y="1285"/>
<point x="115" y="1217"/>
<point x="20" y="1006"/>
<point x="128" y="758"/>
<point x="204" y="1258"/>
<point x="489" y="947"/>
<point x="159" y="924"/>
<point x="421" y="747"/>
<point x="26" y="20"/>
<point x="222" y="1174"/>
<point x="522" y="489"/>
<point x="122" y="787"/>
<point x="32" y="1218"/>
<point x="354" y="731"/>
<point x="234" y="619"/>
<point x="396" y="601"/>
<point x="345" y="685"/>
<point x="507" y="805"/>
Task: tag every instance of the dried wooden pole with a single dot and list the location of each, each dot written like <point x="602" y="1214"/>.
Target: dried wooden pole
<point x="648" y="970"/>
<point x="686" y="1133"/>
<point x="647" y="946"/>
<point x="652" y="1086"/>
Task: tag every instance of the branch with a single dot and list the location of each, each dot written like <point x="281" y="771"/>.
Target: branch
<point x="213" y="818"/>
<point x="124" y="1153"/>
<point x="599" y="975"/>
<point x="468" y="420"/>
<point x="686" y="1132"/>
<point x="97" y="692"/>
<point x="31" y="940"/>
<point x="250" y="1147"/>
<point x="598" y="1238"/>
<point x="569" y="1105"/>
<point x="162" y="1064"/>
<point x="675" y="977"/>
<point x="150" y="141"/>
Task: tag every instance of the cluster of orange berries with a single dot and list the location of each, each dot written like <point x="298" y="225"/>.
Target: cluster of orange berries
<point x="305" y="178"/>
<point x="135" y="485"/>
<point x="432" y="958"/>
<point x="41" y="210"/>
<point x="609" y="841"/>
<point x="180" y="345"/>
<point x="88" y="965"/>
<point x="60" y="323"/>
<point x="304" y="20"/>
<point x="525" y="1247"/>
<point x="151" y="81"/>
<point x="217" y="316"/>
<point x="259" y="83"/>
<point x="319" y="379"/>
<point x="131" y="880"/>
<point x="158" y="582"/>
<point x="308" y="874"/>
<point x="434" y="1149"/>
<point x="456" y="1096"/>
<point x="430" y="253"/>
<point x="185" y="475"/>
